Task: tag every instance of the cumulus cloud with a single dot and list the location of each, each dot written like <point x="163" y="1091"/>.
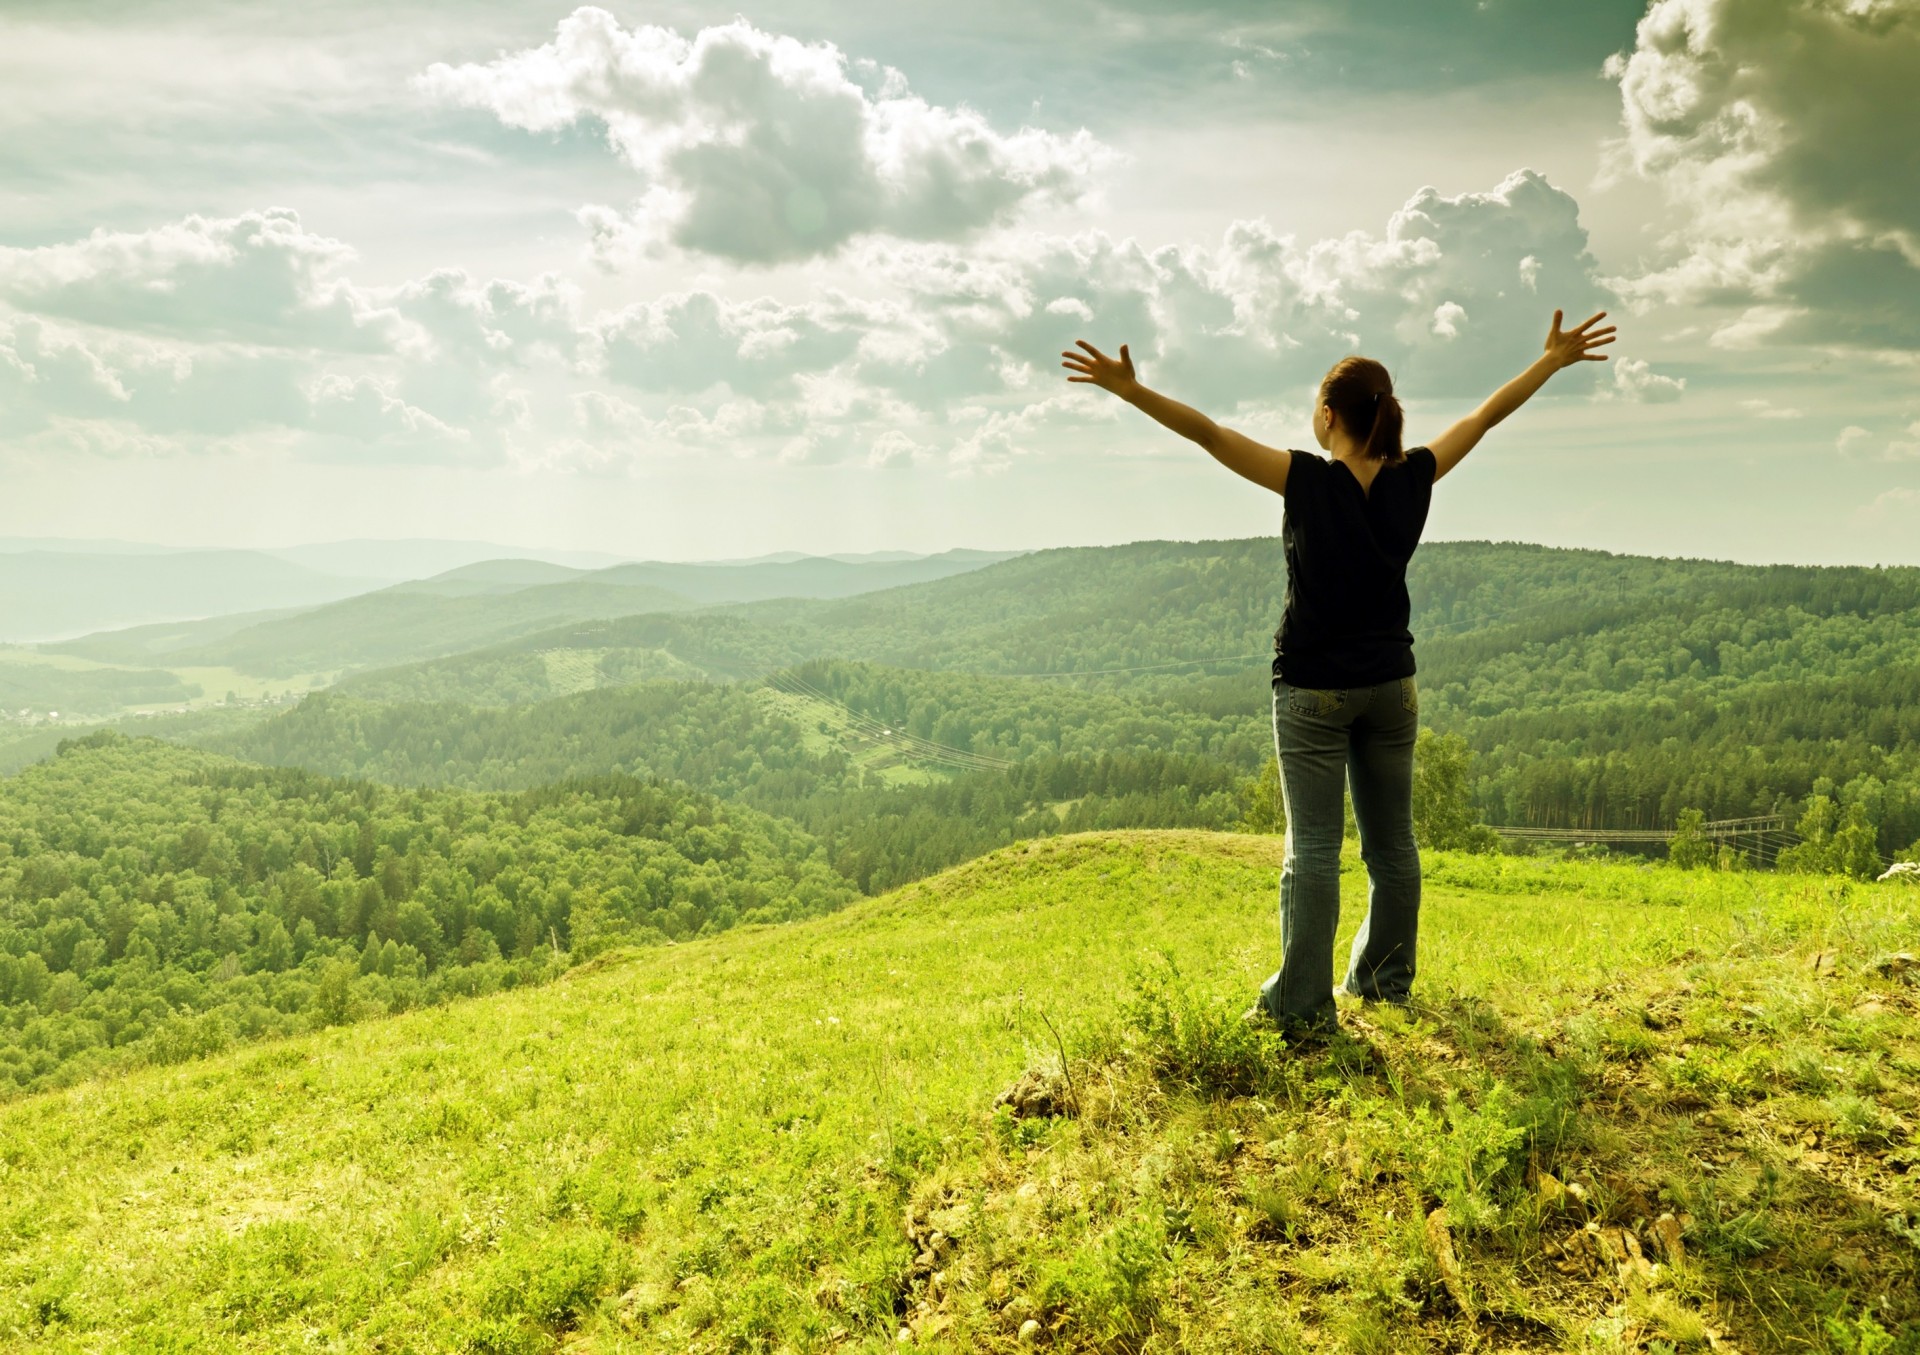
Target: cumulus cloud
<point x="690" y="342"/>
<point x="257" y="278"/>
<point x="1858" y="442"/>
<point x="1438" y="296"/>
<point x="367" y="411"/>
<point x="494" y="323"/>
<point x="949" y="352"/>
<point x="1783" y="130"/>
<point x="1635" y="380"/>
<point x="759" y="148"/>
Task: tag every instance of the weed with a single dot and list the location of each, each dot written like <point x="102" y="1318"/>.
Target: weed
<point x="1110" y="1290"/>
<point x="1858" y="1119"/>
<point x="1197" y="1040"/>
<point x="552" y="1281"/>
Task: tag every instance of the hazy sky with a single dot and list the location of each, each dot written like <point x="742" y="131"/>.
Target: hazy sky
<point x="681" y="281"/>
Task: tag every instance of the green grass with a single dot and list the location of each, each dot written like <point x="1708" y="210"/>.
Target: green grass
<point x="786" y="1138"/>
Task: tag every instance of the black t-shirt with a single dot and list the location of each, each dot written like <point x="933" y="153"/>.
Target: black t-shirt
<point x="1345" y="623"/>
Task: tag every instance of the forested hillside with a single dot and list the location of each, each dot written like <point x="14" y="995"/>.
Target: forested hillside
<point x="1076" y="759"/>
<point x="158" y="902"/>
<point x="1595" y="691"/>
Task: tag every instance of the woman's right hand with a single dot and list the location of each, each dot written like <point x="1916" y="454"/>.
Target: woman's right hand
<point x="1577" y="344"/>
<point x="1109" y="374"/>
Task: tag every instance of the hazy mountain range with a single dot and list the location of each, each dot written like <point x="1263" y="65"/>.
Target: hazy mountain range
<point x="59" y="590"/>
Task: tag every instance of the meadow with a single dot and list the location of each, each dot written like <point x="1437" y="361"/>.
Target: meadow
<point x="1636" y="1108"/>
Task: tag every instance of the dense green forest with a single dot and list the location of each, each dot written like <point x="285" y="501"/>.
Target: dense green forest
<point x="1086" y="760"/>
<point x="158" y="902"/>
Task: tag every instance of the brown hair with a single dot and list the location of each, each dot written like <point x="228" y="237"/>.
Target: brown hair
<point x="1361" y="393"/>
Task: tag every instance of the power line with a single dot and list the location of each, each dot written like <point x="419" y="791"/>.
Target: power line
<point x="1137" y="668"/>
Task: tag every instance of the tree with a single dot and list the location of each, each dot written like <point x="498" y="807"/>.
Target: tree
<point x="1688" y="848"/>
<point x="1266" y="810"/>
<point x="1442" y="816"/>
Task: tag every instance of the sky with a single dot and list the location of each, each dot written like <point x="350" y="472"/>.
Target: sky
<point x="686" y="281"/>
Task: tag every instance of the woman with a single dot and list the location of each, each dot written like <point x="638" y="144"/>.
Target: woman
<point x="1344" y="703"/>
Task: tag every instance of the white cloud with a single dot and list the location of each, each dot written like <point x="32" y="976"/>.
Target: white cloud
<point x="366" y="410"/>
<point x="256" y="278"/>
<point x="1635" y="380"/>
<point x="492" y="323"/>
<point x="1254" y="315"/>
<point x="690" y="342"/>
<point x="894" y="450"/>
<point x="1448" y="316"/>
<point x="953" y="350"/>
<point x="1851" y="437"/>
<point x="1783" y="131"/>
<point x="1766" y="409"/>
<point x="759" y="148"/>
<point x="1899" y="505"/>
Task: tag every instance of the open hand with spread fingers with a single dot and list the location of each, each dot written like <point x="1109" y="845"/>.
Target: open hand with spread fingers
<point x="1109" y="374"/>
<point x="1577" y="344"/>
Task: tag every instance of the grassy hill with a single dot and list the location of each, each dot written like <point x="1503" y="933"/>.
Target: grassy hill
<point x="1639" y="1109"/>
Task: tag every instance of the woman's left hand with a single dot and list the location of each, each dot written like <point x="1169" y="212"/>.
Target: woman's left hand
<point x="1577" y="344"/>
<point x="1109" y="374"/>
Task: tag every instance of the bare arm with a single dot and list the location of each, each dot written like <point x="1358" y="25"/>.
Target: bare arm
<point x="1562" y="350"/>
<point x="1265" y="466"/>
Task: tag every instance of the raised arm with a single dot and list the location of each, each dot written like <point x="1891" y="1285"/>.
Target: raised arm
<point x="1265" y="466"/>
<point x="1562" y="350"/>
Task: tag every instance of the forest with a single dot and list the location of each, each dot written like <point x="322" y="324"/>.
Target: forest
<point x="158" y="903"/>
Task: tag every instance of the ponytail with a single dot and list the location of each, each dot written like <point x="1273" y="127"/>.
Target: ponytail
<point x="1361" y="392"/>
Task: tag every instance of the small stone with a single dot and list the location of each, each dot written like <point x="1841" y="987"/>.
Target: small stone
<point x="1666" y="1232"/>
<point x="1029" y="1331"/>
<point x="904" y="1336"/>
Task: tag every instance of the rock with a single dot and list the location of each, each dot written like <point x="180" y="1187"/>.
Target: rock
<point x="1035" y="1094"/>
<point x="1909" y="871"/>
<point x="904" y="1336"/>
<point x="1897" y="965"/>
<point x="1029" y="1331"/>
<point x="1666" y="1232"/>
<point x="1440" y="1242"/>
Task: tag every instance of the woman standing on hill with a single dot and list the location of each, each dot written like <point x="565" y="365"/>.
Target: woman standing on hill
<point x="1344" y="703"/>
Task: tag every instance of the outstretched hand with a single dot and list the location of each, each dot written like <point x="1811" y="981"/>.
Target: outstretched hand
<point x="1577" y="344"/>
<point x="1109" y="374"/>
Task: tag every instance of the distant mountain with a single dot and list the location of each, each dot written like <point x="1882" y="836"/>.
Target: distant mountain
<point x="493" y="576"/>
<point x="496" y="601"/>
<point x="53" y="594"/>
<point x="401" y="624"/>
<point x="810" y="576"/>
<point x="393" y="561"/>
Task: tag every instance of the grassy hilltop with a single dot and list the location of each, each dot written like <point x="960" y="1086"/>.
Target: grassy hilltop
<point x="1641" y="1109"/>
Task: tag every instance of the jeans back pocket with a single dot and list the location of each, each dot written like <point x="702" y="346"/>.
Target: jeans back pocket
<point x="1316" y="700"/>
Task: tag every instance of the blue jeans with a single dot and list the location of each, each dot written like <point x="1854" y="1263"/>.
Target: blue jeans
<point x="1360" y="737"/>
